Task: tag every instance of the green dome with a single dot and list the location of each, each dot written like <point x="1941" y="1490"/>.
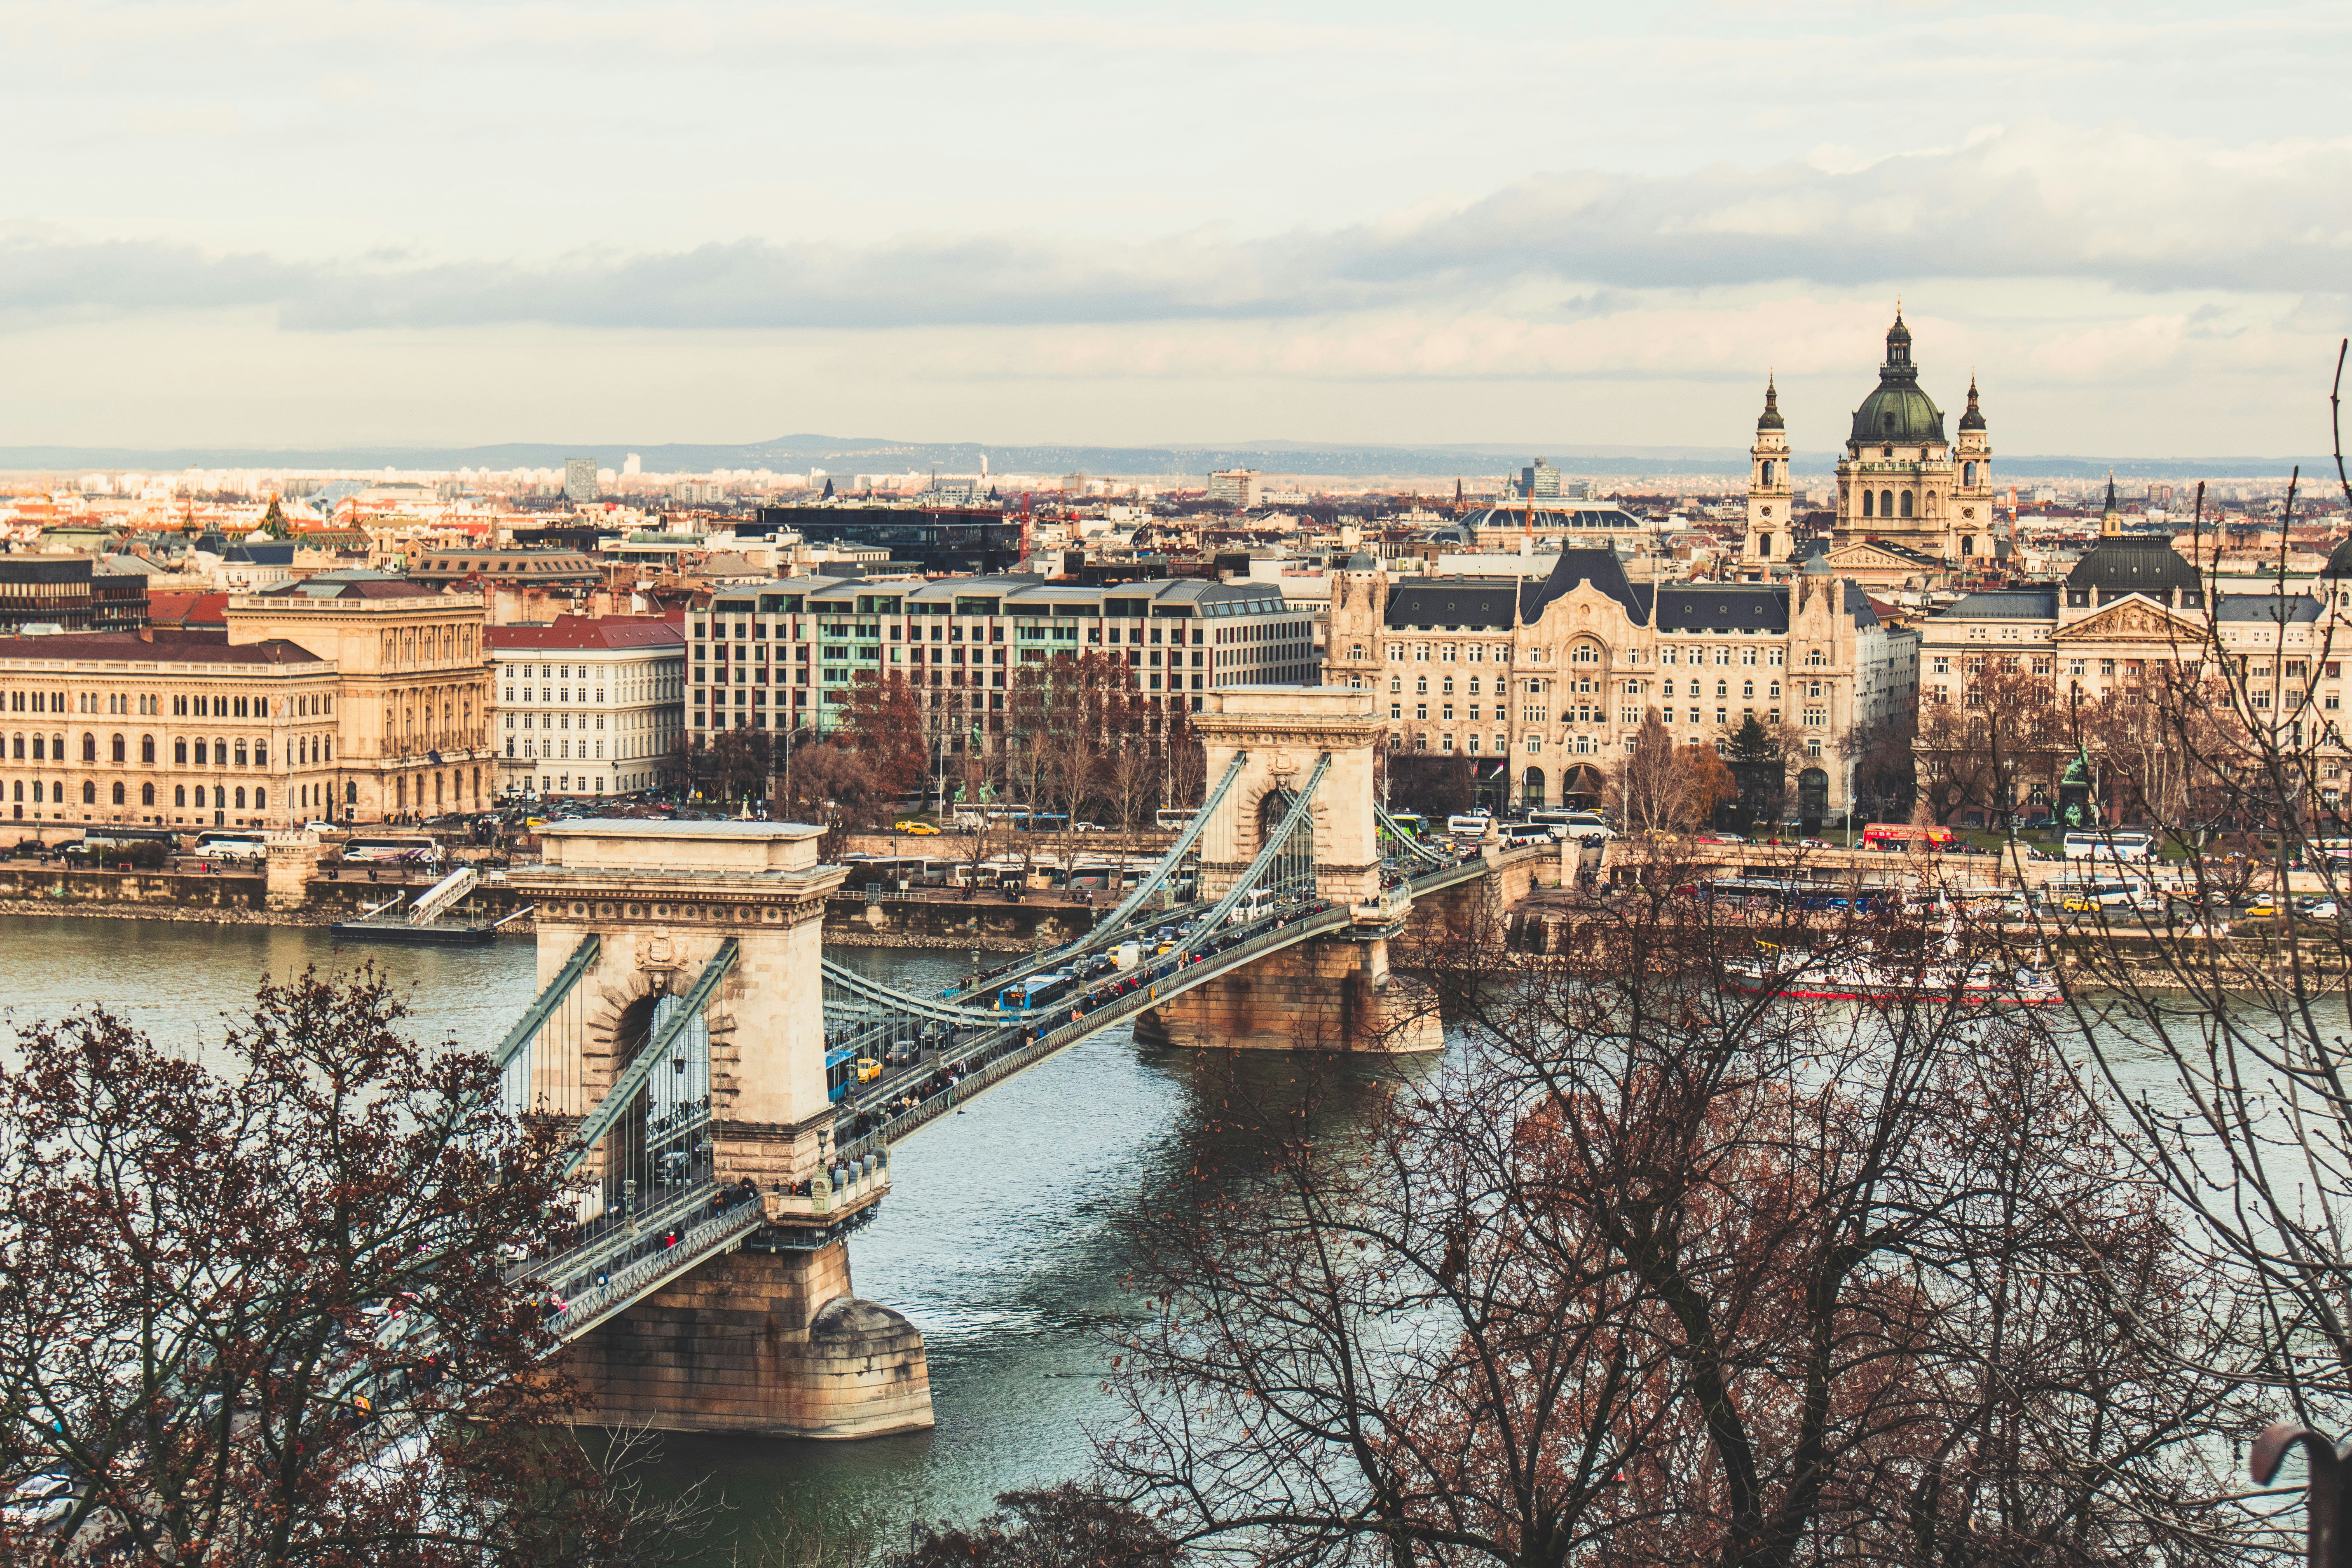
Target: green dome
<point x="1898" y="410"/>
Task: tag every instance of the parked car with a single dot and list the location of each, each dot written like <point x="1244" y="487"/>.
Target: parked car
<point x="915" y="829"/>
<point x="39" y="1502"/>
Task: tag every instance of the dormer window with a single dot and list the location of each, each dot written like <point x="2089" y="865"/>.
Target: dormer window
<point x="1888" y="450"/>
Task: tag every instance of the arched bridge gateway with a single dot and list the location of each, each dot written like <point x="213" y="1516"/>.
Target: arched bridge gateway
<point x="686" y="1012"/>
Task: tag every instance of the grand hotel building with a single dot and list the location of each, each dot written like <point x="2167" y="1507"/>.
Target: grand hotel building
<point x="349" y="695"/>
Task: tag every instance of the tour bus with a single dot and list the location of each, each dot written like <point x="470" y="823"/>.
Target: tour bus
<point x="233" y="845"/>
<point x="1903" y="835"/>
<point x="2110" y="844"/>
<point x="1411" y="823"/>
<point x="1252" y="904"/>
<point x="416" y="848"/>
<point x="1517" y="834"/>
<point x="1469" y="825"/>
<point x="1175" y="819"/>
<point x="1023" y="994"/>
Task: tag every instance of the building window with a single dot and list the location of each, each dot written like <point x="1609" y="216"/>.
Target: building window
<point x="89" y="747"/>
<point x="180" y="795"/>
<point x="88" y="792"/>
<point x="118" y="794"/>
<point x="146" y="795"/>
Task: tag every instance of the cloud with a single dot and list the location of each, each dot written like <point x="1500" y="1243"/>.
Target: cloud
<point x="2117" y="206"/>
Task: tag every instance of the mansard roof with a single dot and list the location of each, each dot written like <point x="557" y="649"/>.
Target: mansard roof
<point x="2133" y="564"/>
<point x="1598" y="567"/>
<point x="1699" y="607"/>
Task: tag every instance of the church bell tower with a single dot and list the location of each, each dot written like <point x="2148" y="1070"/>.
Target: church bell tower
<point x="1771" y="513"/>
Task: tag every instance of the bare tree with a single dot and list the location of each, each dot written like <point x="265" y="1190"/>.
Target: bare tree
<point x="1660" y="1273"/>
<point x="260" y="1314"/>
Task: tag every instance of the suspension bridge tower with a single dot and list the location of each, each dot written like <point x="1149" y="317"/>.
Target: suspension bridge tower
<point x="1334" y="993"/>
<point x="680" y="1028"/>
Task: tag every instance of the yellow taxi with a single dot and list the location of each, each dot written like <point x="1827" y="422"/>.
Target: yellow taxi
<point x="914" y="829"/>
<point x="868" y="1069"/>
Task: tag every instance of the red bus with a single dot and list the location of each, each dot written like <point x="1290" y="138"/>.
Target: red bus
<point x="1903" y="835"/>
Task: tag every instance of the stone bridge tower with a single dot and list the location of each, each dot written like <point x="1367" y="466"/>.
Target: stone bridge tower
<point x="1334" y="993"/>
<point x="767" y="1338"/>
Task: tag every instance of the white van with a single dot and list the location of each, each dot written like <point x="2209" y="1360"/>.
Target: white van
<point x="1469" y="825"/>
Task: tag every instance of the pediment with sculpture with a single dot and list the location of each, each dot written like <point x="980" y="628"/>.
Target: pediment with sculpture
<point x="2133" y="619"/>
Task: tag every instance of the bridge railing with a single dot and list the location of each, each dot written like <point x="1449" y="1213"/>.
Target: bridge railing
<point x="995" y="1062"/>
<point x="653" y="1262"/>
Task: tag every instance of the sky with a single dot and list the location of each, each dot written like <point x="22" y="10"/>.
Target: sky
<point x="255" y="223"/>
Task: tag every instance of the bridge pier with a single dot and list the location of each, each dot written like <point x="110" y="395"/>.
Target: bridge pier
<point x="1329" y="995"/>
<point x="772" y="1343"/>
<point x="765" y="1337"/>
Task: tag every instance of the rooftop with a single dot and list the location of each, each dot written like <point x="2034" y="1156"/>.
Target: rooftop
<point x="589" y="632"/>
<point x="169" y="647"/>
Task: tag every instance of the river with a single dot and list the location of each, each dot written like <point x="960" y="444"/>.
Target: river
<point x="999" y="1239"/>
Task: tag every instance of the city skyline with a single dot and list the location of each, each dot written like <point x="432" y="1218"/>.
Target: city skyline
<point x="1142" y="228"/>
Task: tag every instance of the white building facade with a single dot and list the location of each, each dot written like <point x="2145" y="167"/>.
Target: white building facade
<point x="587" y="705"/>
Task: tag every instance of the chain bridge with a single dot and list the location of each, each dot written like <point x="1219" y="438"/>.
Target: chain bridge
<point x="731" y="1098"/>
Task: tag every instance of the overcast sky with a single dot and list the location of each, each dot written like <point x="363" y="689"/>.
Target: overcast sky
<point x="343" y="221"/>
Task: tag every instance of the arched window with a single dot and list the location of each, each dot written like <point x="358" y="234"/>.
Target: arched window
<point x="240" y="751"/>
<point x="146" y="795"/>
<point x="260" y="799"/>
<point x="1867" y="509"/>
<point x="1765" y="473"/>
<point x="118" y="794"/>
<point x="1968" y="473"/>
<point x="1967" y="544"/>
<point x="89" y="747"/>
<point x="240" y="798"/>
<point x="1886" y="503"/>
<point x="88" y="792"/>
<point x="180" y="794"/>
<point x="1906" y="503"/>
<point x="119" y="753"/>
<point x="1584" y="653"/>
<point x="147" y="749"/>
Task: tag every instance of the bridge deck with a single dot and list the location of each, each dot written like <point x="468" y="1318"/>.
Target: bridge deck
<point x="997" y="1060"/>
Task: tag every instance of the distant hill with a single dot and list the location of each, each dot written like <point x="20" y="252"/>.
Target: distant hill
<point x="867" y="454"/>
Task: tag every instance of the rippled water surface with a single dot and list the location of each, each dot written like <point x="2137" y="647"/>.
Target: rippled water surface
<point x="999" y="1239"/>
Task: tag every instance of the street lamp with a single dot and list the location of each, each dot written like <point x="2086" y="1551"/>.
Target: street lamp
<point x="1850" y="763"/>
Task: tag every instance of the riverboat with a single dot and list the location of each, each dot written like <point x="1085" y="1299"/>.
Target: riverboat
<point x="1861" y="977"/>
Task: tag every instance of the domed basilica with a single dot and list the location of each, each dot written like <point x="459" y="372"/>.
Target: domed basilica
<point x="1913" y="505"/>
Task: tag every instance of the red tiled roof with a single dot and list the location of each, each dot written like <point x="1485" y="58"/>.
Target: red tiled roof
<point x="184" y="648"/>
<point x="188" y="609"/>
<point x="590" y="631"/>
